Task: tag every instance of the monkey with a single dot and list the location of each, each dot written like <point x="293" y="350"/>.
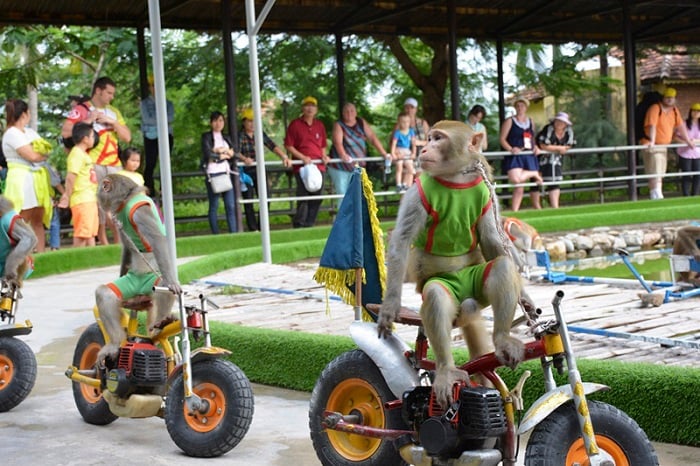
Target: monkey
<point x="145" y="259"/>
<point x="17" y="242"/>
<point x="686" y="244"/>
<point x="524" y="238"/>
<point x="441" y="221"/>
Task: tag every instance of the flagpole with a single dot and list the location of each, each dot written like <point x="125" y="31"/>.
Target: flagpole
<point x="358" y="294"/>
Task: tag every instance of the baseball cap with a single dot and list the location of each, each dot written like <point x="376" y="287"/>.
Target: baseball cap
<point x="695" y="107"/>
<point x="411" y="101"/>
<point x="670" y="92"/>
<point x="309" y="100"/>
<point x="247" y="114"/>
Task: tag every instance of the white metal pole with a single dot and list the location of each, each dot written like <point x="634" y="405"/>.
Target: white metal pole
<point x="162" y="121"/>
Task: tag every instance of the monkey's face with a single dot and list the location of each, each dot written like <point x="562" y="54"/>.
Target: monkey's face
<point x="435" y="153"/>
<point x="114" y="190"/>
<point x="451" y="148"/>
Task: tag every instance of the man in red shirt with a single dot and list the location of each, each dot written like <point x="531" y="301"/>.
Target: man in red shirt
<point x="661" y="123"/>
<point x="111" y="128"/>
<point x="306" y="141"/>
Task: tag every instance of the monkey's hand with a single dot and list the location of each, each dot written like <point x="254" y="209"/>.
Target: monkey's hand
<point x="445" y="378"/>
<point x="385" y="322"/>
<point x="509" y="350"/>
<point x="173" y="286"/>
<point x="12" y="280"/>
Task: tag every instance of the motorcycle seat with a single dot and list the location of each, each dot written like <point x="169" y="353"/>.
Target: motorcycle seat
<point x="138" y="303"/>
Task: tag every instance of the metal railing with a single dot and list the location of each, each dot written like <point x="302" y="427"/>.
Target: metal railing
<point x="606" y="181"/>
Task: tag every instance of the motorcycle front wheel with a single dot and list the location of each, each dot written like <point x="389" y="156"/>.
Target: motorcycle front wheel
<point x="17" y="372"/>
<point x="228" y="398"/>
<point x="557" y="441"/>
<point x="89" y="401"/>
<point x="352" y="384"/>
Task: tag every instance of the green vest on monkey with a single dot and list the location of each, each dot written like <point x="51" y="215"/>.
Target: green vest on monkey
<point x="453" y="212"/>
<point x="125" y="216"/>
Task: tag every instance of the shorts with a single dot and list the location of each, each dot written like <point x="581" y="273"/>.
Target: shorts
<point x="101" y="171"/>
<point x="655" y="160"/>
<point x="85" y="221"/>
<point x="551" y="173"/>
<point x="134" y="284"/>
<point x="465" y="283"/>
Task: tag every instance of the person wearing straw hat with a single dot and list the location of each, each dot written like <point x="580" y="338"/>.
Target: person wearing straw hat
<point x="689" y="158"/>
<point x="246" y="146"/>
<point x="521" y="166"/>
<point x="306" y="141"/>
<point x="661" y="122"/>
<point x="556" y="138"/>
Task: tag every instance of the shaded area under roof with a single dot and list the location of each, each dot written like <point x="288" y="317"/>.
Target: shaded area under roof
<point x="544" y="21"/>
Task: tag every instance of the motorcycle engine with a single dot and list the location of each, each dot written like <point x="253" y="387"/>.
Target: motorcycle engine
<point x="476" y="415"/>
<point x="140" y="368"/>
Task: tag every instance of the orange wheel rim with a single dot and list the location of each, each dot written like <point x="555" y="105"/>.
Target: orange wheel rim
<point x="7" y="371"/>
<point x="356" y="396"/>
<point x="208" y="421"/>
<point x="87" y="361"/>
<point x="577" y="452"/>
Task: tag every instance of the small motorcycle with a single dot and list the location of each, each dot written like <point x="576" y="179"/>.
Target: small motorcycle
<point x="18" y="367"/>
<point x="206" y="401"/>
<point x="375" y="406"/>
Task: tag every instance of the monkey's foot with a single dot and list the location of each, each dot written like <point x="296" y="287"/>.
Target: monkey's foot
<point x="108" y="354"/>
<point x="509" y="350"/>
<point x="444" y="381"/>
<point x="163" y="323"/>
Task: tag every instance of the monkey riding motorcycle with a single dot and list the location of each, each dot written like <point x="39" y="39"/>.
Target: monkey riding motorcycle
<point x="375" y="406"/>
<point x="18" y="367"/>
<point x="206" y="401"/>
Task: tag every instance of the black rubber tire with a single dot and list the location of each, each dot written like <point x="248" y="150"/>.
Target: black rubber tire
<point x="333" y="389"/>
<point x="17" y="374"/>
<point x="552" y="439"/>
<point x="89" y="401"/>
<point x="231" y="409"/>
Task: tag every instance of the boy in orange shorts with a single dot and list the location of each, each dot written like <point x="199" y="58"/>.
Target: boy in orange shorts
<point x="81" y="187"/>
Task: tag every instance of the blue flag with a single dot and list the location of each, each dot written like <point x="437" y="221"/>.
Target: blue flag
<point x="356" y="241"/>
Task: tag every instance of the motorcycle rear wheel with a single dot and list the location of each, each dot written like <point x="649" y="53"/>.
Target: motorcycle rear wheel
<point x="352" y="384"/>
<point x="229" y="395"/>
<point x="89" y="400"/>
<point x="17" y="372"/>
<point x="557" y="440"/>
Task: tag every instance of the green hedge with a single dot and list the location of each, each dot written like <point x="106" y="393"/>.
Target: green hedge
<point x="294" y="360"/>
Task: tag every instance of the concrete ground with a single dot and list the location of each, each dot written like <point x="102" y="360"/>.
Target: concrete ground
<point x="47" y="429"/>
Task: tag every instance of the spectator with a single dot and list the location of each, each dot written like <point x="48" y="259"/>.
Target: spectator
<point x="557" y="138"/>
<point x="420" y="126"/>
<point x="661" y="122"/>
<point x="111" y="128"/>
<point x="403" y="151"/>
<point x="246" y="144"/>
<point x="27" y="185"/>
<point x="306" y="141"/>
<point x="149" y="128"/>
<point x="689" y="158"/>
<point x="350" y="136"/>
<point x="517" y="137"/>
<point x="217" y="155"/>
<point x="474" y="120"/>
<point x="130" y="158"/>
<point x="80" y="193"/>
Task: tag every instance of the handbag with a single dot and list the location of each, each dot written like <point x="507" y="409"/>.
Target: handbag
<point x="220" y="182"/>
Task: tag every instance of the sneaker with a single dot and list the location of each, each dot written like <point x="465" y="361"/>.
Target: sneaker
<point x="404" y="188"/>
<point x="399" y="187"/>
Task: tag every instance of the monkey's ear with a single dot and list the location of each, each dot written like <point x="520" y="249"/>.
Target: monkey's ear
<point x="476" y="140"/>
